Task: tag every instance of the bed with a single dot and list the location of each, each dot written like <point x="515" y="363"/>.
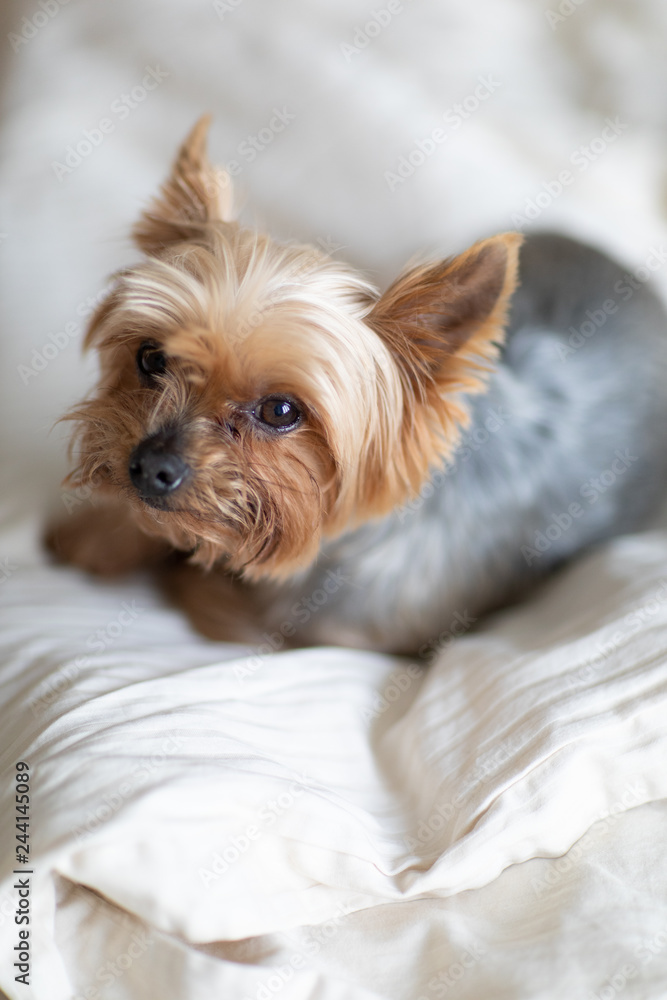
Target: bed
<point x="208" y="820"/>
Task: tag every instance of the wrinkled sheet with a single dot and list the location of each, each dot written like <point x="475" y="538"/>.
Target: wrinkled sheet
<point x="331" y="823"/>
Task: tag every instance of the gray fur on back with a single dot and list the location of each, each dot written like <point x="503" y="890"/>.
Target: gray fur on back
<point x="564" y="450"/>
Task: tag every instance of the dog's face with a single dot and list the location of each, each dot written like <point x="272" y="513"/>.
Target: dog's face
<point x="255" y="398"/>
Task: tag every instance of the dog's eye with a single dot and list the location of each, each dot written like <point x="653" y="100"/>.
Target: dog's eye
<point x="151" y="360"/>
<point x="278" y="413"/>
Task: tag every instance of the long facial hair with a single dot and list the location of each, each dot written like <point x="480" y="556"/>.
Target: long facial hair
<point x="381" y="379"/>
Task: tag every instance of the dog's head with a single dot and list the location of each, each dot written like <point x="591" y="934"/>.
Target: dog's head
<point x="255" y="397"/>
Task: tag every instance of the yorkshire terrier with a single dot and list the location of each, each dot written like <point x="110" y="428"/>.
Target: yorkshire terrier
<point x="348" y="467"/>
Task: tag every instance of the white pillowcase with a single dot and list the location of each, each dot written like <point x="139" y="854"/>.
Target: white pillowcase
<point x="218" y="795"/>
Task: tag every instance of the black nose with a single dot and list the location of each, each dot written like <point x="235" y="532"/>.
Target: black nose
<point x="156" y="468"/>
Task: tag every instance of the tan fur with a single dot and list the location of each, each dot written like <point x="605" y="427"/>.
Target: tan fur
<point x="381" y="379"/>
<point x="195" y="194"/>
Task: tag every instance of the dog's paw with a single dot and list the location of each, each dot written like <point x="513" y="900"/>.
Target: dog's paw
<point x="104" y="541"/>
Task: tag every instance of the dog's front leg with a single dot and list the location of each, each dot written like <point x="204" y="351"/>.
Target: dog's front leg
<point x="103" y="538"/>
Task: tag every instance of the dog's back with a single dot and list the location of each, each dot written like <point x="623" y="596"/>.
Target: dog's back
<point x="564" y="450"/>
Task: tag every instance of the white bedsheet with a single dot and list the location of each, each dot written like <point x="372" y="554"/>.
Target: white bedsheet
<point x="332" y="824"/>
<point x="329" y="786"/>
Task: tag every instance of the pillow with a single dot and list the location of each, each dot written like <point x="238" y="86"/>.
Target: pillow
<point x="220" y="793"/>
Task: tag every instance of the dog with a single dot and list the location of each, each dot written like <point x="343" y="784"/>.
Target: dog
<point x="339" y="466"/>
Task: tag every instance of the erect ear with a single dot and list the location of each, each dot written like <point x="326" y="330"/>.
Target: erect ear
<point x="194" y="194"/>
<point x="444" y="321"/>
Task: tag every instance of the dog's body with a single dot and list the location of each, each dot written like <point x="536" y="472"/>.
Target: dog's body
<point x="563" y="447"/>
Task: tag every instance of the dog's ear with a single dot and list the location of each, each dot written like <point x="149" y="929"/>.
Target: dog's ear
<point x="194" y="194"/>
<point x="443" y="321"/>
